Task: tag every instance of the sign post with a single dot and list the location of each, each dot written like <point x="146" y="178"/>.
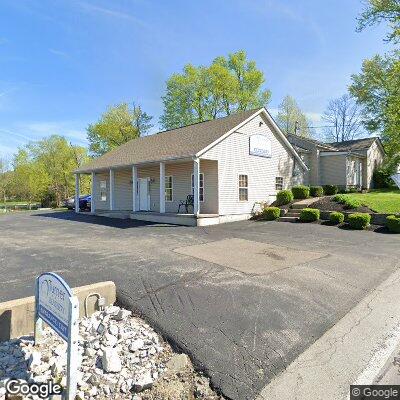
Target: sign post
<point x="56" y="305"/>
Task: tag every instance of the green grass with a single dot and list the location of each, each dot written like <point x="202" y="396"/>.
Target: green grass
<point x="380" y="200"/>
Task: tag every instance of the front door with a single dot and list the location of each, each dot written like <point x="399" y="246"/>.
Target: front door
<point x="143" y="194"/>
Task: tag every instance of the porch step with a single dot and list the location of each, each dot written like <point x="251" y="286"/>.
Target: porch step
<point x="293" y="213"/>
<point x="287" y="219"/>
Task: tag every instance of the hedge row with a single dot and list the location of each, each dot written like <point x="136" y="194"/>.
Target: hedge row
<point x="347" y="201"/>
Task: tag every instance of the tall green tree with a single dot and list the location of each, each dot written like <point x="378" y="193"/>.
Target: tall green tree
<point x="377" y="89"/>
<point x="44" y="169"/>
<point x="116" y="126"/>
<point x="291" y="119"/>
<point x="377" y="86"/>
<point x="5" y="179"/>
<point x="377" y="11"/>
<point x="228" y="85"/>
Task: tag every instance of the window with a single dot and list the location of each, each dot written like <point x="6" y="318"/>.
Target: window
<point x="103" y="190"/>
<point x="279" y="183"/>
<point x="243" y="188"/>
<point x="201" y="186"/>
<point x="168" y="188"/>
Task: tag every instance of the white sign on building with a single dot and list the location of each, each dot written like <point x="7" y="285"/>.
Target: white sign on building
<point x="56" y="305"/>
<point x="260" y="145"/>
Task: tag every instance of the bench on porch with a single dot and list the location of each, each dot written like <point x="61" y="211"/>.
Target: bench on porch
<point x="186" y="203"/>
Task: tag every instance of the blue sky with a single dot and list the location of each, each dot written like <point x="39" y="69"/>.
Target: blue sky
<point x="62" y="62"/>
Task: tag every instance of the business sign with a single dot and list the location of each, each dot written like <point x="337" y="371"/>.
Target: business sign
<point x="56" y="305"/>
<point x="260" y="145"/>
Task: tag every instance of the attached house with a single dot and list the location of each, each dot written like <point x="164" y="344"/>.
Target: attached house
<point x="348" y="164"/>
<point x="221" y="168"/>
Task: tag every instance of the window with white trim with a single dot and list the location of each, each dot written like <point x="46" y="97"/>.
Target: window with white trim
<point x="279" y="183"/>
<point x="169" y="188"/>
<point x="243" y="188"/>
<point x="201" y="186"/>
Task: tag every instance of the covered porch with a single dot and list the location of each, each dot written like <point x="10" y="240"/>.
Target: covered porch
<point x="175" y="191"/>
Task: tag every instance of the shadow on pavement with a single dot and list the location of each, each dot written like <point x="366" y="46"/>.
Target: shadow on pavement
<point x="96" y="220"/>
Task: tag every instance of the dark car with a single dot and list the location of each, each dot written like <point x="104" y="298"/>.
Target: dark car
<point x="84" y="203"/>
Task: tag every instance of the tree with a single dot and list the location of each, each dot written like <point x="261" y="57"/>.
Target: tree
<point x="291" y="119"/>
<point x="5" y="179"/>
<point x="344" y="116"/>
<point x="44" y="169"/>
<point x="117" y="125"/>
<point x="377" y="89"/>
<point x="382" y="10"/>
<point x="202" y="93"/>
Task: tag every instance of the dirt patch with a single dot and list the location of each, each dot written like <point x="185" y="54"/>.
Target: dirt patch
<point x="327" y="204"/>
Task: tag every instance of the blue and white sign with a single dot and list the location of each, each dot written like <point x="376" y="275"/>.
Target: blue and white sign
<point x="53" y="302"/>
<point x="56" y="305"/>
<point x="260" y="145"/>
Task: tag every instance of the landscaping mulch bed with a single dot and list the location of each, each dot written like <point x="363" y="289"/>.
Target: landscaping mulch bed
<point x="327" y="204"/>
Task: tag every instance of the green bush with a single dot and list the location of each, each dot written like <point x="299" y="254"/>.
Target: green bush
<point x="316" y="191"/>
<point x="301" y="192"/>
<point x="309" y="215"/>
<point x="336" y="217"/>
<point x="393" y="223"/>
<point x="271" y="213"/>
<point x="359" y="220"/>
<point x="381" y="177"/>
<point x="284" y="197"/>
<point x="351" y="203"/>
<point x="339" y="198"/>
<point x="330" y="190"/>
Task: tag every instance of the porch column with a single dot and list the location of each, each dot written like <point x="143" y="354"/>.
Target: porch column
<point x="196" y="185"/>
<point x="77" y="192"/>
<point x="162" y="187"/>
<point x="134" y="186"/>
<point x="93" y="191"/>
<point x="112" y="189"/>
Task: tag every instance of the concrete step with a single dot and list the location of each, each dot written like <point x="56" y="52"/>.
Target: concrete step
<point x="288" y="219"/>
<point x="293" y="213"/>
<point x="298" y="206"/>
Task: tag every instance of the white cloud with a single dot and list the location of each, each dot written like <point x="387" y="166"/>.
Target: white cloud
<point x="59" y="53"/>
<point x="94" y="9"/>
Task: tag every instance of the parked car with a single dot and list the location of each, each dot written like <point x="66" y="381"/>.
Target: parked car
<point x="84" y="203"/>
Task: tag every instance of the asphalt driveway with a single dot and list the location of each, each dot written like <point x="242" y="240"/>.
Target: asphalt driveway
<point x="243" y="299"/>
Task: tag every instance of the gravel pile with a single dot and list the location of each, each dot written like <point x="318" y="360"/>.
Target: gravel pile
<point x="121" y="357"/>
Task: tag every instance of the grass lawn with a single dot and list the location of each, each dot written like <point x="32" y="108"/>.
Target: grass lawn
<point x="16" y="203"/>
<point x="380" y="200"/>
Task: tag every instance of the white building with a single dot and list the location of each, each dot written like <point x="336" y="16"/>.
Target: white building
<point x="221" y="169"/>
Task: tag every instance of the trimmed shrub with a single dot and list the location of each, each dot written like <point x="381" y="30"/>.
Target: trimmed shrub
<point x="359" y="220"/>
<point x="284" y="197"/>
<point x="271" y="213"/>
<point x="316" y="191"/>
<point x="330" y="190"/>
<point x="336" y="217"/>
<point x="351" y="203"/>
<point x="309" y="215"/>
<point x="339" y="198"/>
<point x="393" y="223"/>
<point x="301" y="192"/>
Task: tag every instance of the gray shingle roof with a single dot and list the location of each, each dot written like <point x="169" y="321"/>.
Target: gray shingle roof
<point x="176" y="143"/>
<point x="354" y="145"/>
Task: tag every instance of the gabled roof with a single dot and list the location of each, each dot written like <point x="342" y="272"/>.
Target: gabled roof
<point x="185" y="142"/>
<point x="313" y="141"/>
<point x="172" y="144"/>
<point x="354" y="145"/>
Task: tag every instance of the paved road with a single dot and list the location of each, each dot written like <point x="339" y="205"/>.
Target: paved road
<point x="241" y="323"/>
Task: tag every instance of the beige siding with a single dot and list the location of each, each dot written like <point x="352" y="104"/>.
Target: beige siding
<point x="182" y="185"/>
<point x="233" y="159"/>
<point x="99" y="204"/>
<point x="375" y="157"/>
<point x="333" y="170"/>
<point x="123" y="189"/>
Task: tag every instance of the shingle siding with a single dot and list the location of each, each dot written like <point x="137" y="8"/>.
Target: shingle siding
<point x="234" y="159"/>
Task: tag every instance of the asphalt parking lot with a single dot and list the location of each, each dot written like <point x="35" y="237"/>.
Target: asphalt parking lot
<point x="242" y="299"/>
